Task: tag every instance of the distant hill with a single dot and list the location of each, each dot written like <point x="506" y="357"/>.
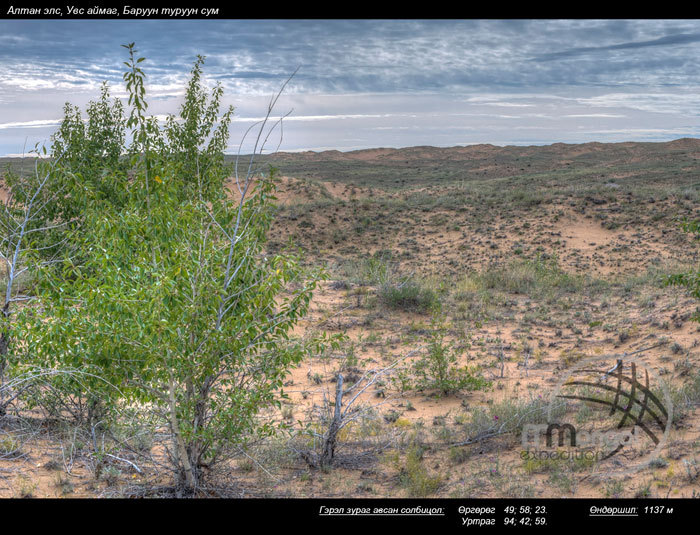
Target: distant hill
<point x="388" y="167"/>
<point x="556" y="150"/>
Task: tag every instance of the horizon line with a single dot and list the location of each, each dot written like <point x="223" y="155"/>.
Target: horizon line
<point x="320" y="150"/>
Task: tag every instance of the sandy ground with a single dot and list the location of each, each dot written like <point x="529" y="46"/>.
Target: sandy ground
<point x="522" y="343"/>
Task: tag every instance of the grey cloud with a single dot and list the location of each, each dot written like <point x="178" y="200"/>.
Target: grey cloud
<point x="359" y="55"/>
<point x="669" y="40"/>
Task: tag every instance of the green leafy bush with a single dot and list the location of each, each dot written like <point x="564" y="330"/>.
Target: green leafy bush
<point x="437" y="369"/>
<point x="172" y="303"/>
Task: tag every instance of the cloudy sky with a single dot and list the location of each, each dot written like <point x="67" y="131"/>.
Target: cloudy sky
<point x="365" y="83"/>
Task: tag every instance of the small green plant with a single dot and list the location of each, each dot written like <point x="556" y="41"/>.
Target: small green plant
<point x="644" y="490"/>
<point x="414" y="476"/>
<point x="63" y="484"/>
<point x="437" y="369"/>
<point x="391" y="416"/>
<point x="692" y="470"/>
<point x="9" y="447"/>
<point x="288" y="412"/>
<point x="691" y="279"/>
<point x="459" y="455"/>
<point x="563" y="480"/>
<point x="373" y="271"/>
<point x="26" y="487"/>
<point x="685" y="397"/>
<point x="111" y="475"/>
<point x="408" y="295"/>
<point x="613" y="488"/>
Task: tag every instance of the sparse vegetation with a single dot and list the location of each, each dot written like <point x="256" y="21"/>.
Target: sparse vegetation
<point x="409" y="295"/>
<point x="414" y="476"/>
